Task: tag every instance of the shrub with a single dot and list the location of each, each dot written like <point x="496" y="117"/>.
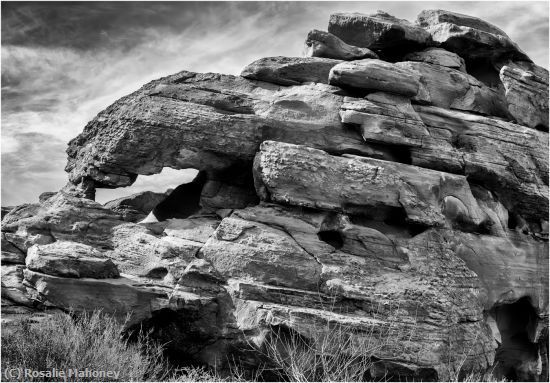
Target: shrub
<point x="336" y="353"/>
<point x="90" y="341"/>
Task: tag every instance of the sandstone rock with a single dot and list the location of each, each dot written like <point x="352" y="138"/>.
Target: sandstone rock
<point x="119" y="296"/>
<point x="63" y="218"/>
<point x="10" y="253"/>
<point x="509" y="268"/>
<point x="6" y="210"/>
<point x="324" y="44"/>
<point x="418" y="230"/>
<point x="452" y="89"/>
<point x="209" y="121"/>
<point x="136" y="206"/>
<point x="216" y="195"/>
<point x="45" y="196"/>
<point x="244" y="249"/>
<point x="360" y="295"/>
<point x="377" y="31"/>
<point x="508" y="159"/>
<point x="468" y="36"/>
<point x="290" y="70"/>
<point x="526" y="87"/>
<point x="70" y="260"/>
<point x="201" y="275"/>
<point x="438" y="56"/>
<point x="12" y="285"/>
<point x="197" y="229"/>
<point x="375" y="75"/>
<point x="302" y="176"/>
<point x="137" y="251"/>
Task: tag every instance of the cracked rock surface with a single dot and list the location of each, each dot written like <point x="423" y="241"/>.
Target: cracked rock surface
<point x="393" y="183"/>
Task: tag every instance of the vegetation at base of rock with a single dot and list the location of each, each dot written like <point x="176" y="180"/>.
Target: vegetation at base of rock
<point x="91" y="341"/>
<point x="332" y="358"/>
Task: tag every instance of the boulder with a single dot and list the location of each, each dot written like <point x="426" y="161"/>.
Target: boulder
<point x="139" y="252"/>
<point x="468" y="36"/>
<point x="438" y="56"/>
<point x="10" y="253"/>
<point x="376" y="75"/>
<point x="290" y="70"/>
<point x="298" y="175"/>
<point x="247" y="250"/>
<point x="377" y="31"/>
<point x="62" y="217"/>
<point x="13" y="289"/>
<point x="119" y="297"/>
<point x="451" y="89"/>
<point x="45" y="196"/>
<point x="509" y="159"/>
<point x="70" y="260"/>
<point x="323" y="44"/>
<point x="136" y="206"/>
<point x="526" y="86"/>
<point x="220" y="195"/>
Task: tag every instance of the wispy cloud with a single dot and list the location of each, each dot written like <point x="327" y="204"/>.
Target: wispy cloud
<point x="62" y="63"/>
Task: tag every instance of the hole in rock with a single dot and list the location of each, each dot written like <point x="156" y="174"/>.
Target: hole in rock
<point x="157" y="273"/>
<point x="512" y="221"/>
<point x="517" y="356"/>
<point x="183" y="201"/>
<point x="484" y="71"/>
<point x="388" y="220"/>
<point x="332" y="237"/>
<point x="398" y="153"/>
<point x="177" y="331"/>
<point x="398" y="217"/>
<point x="542" y="127"/>
<point x="158" y="183"/>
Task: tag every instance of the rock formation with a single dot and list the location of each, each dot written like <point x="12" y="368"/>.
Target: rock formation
<point x="393" y="183"/>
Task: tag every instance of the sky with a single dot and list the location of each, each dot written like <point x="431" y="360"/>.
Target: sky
<point x="62" y="63"/>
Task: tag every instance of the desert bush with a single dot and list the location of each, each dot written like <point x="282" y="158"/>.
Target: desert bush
<point x="336" y="353"/>
<point x="89" y="341"/>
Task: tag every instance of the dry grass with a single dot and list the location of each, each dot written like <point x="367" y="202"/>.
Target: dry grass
<point x="94" y="341"/>
<point x="333" y="357"/>
<point x="91" y="341"/>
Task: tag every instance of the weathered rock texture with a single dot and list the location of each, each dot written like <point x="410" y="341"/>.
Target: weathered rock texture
<point x="324" y="44"/>
<point x="403" y="199"/>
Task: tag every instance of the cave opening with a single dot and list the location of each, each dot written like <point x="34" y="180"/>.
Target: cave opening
<point x="484" y="70"/>
<point x="517" y="355"/>
<point x="332" y="237"/>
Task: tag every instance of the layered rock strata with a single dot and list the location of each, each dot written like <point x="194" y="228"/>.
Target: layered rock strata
<point x="392" y="185"/>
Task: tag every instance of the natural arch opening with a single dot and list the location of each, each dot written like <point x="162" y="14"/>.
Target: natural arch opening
<point x="168" y="178"/>
<point x="517" y="354"/>
<point x="182" y="202"/>
<point x="137" y="201"/>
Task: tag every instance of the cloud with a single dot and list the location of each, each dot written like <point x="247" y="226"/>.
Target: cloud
<point x="62" y="63"/>
<point x="32" y="167"/>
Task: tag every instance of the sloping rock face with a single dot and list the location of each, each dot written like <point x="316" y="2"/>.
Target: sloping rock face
<point x="399" y="195"/>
